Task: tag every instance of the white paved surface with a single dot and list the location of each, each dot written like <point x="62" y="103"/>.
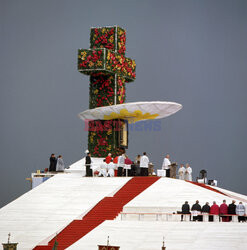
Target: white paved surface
<point x="168" y="195"/>
<point x="148" y="235"/>
<point x="49" y="207"/>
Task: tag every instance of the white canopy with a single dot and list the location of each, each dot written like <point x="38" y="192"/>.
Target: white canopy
<point x="133" y="112"/>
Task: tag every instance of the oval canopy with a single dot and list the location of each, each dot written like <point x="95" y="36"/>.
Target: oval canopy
<point x="133" y="111"/>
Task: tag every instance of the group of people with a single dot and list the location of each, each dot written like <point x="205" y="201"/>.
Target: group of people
<point x="122" y="164"/>
<point x="224" y="211"/>
<point x="56" y="164"/>
<point x="184" y="173"/>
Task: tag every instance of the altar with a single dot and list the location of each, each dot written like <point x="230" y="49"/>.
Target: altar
<point x="161" y="172"/>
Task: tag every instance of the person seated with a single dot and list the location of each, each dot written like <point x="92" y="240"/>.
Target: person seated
<point x="214" y="210"/>
<point x="240" y="211"/>
<point x="223" y="211"/>
<point x="185" y="210"/>
<point x="110" y="169"/>
<point x="232" y="209"/>
<point x="196" y="211"/>
<point x="103" y="169"/>
<point x="108" y="158"/>
<point x="206" y="209"/>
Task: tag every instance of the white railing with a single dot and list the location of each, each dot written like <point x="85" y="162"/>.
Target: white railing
<point x="172" y="217"/>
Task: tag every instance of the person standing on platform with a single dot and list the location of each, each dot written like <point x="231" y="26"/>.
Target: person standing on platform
<point x="223" y="211"/>
<point x="240" y="211"/>
<point x="232" y="209"/>
<point x="214" y="210"/>
<point x="185" y="210"/>
<point x="188" y="172"/>
<point x="53" y="163"/>
<point x="88" y="162"/>
<point x="137" y="165"/>
<point x="121" y="159"/>
<point x="195" y="211"/>
<point x="144" y="164"/>
<point x="166" y="165"/>
<point x="60" y="164"/>
<point x="138" y="159"/>
<point x="127" y="166"/>
<point x="115" y="162"/>
<point x="181" y="172"/>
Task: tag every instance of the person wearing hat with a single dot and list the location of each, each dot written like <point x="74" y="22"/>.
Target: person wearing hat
<point x="88" y="162"/>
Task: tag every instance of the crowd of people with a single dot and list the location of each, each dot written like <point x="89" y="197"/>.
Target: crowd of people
<point x="184" y="173"/>
<point x="56" y="164"/>
<point x="224" y="211"/>
<point x="123" y="166"/>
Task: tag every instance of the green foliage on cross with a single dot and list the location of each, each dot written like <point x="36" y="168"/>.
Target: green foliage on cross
<point x="109" y="69"/>
<point x="107" y="54"/>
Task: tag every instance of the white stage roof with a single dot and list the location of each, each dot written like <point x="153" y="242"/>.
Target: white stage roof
<point x="133" y="112"/>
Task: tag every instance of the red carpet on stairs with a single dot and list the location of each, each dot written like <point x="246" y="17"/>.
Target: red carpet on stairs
<point x="207" y="187"/>
<point x="107" y="209"/>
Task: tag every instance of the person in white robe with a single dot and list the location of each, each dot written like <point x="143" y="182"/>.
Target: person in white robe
<point x="103" y="169"/>
<point x="60" y="164"/>
<point x="188" y="172"/>
<point x="110" y="169"/>
<point x="166" y="165"/>
<point x="121" y="165"/>
<point x="181" y="172"/>
<point x="144" y="164"/>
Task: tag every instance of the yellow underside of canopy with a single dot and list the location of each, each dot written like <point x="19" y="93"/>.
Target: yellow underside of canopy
<point x="132" y="117"/>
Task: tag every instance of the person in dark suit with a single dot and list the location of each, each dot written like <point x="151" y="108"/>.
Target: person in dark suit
<point x="206" y="209"/>
<point x="88" y="162"/>
<point x="232" y="209"/>
<point x="185" y="210"/>
<point x="196" y="210"/>
<point x="53" y="163"/>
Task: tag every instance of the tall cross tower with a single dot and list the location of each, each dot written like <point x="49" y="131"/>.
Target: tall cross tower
<point x="109" y="70"/>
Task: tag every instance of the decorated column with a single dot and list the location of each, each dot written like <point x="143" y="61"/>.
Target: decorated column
<point x="109" y="70"/>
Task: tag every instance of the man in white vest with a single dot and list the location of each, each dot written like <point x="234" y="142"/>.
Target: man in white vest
<point x="166" y="165"/>
<point x="144" y="164"/>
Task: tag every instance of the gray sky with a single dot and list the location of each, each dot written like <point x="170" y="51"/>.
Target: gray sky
<point x="188" y="51"/>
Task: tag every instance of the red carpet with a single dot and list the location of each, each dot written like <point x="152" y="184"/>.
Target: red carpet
<point x="207" y="187"/>
<point x="106" y="209"/>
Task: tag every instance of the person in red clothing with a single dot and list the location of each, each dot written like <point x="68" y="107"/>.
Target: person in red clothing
<point x="115" y="162"/>
<point x="223" y="211"/>
<point x="214" y="210"/>
<point x="127" y="166"/>
<point x="108" y="158"/>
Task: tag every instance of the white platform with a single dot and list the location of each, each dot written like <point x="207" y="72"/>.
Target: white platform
<point x="168" y="195"/>
<point x="51" y="206"/>
<point x="148" y="235"/>
<point x="37" y="215"/>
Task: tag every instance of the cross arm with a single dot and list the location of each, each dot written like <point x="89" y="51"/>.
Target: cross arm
<point x="106" y="61"/>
